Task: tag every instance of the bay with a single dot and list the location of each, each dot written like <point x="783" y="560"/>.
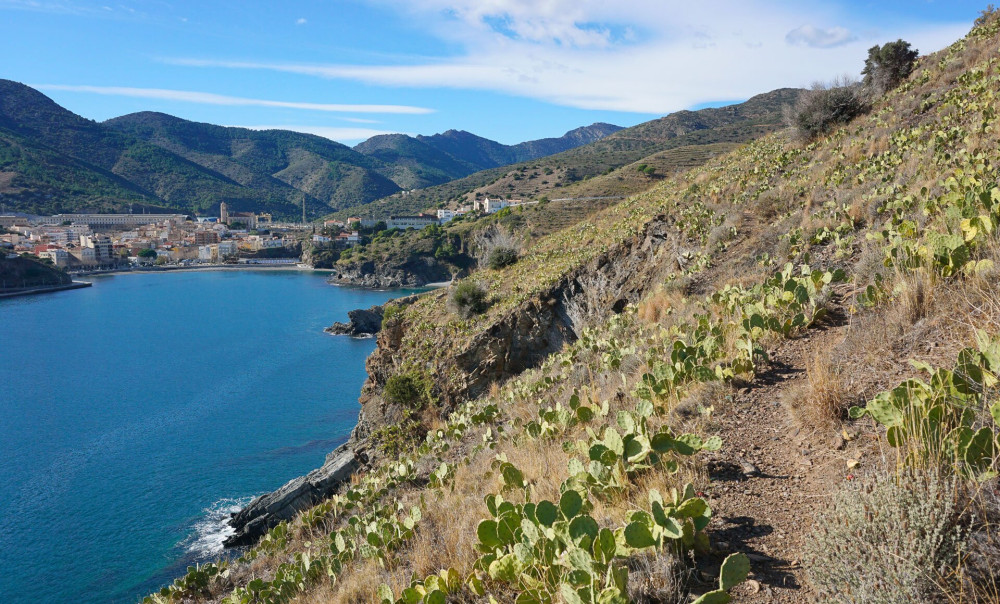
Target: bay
<point x="137" y="413"/>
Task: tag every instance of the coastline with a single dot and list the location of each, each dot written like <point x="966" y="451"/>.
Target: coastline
<point x="205" y="267"/>
<point x="46" y="290"/>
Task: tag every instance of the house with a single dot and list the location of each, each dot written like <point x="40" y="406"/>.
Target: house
<point x="348" y="239"/>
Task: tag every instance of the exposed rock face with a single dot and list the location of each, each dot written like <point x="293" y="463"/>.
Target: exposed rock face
<point x="268" y="510"/>
<point x="523" y="337"/>
<point x="516" y="340"/>
<point x="361" y="323"/>
<point x="415" y="272"/>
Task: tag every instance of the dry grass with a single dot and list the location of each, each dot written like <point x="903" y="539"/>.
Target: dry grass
<point x="656" y="307"/>
<point x="820" y="402"/>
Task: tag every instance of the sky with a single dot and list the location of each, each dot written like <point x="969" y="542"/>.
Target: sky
<point x="509" y="70"/>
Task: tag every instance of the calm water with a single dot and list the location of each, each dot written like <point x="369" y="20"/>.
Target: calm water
<point x="135" y="414"/>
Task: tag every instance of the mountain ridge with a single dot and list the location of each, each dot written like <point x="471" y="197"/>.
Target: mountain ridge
<point x="53" y="160"/>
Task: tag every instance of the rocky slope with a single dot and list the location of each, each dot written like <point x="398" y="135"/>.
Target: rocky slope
<point x="654" y="407"/>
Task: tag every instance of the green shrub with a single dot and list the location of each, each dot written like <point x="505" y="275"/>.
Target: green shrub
<point x="469" y="298"/>
<point x="411" y="390"/>
<point x="887" y="66"/>
<point x="501" y="256"/>
<point x="391" y="311"/>
<point x="822" y="109"/>
<point x="889" y="539"/>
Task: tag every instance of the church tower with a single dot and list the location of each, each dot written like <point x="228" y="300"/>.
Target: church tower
<point x="223" y="213"/>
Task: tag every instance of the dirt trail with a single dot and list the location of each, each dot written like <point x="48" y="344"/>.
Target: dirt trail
<point x="772" y="476"/>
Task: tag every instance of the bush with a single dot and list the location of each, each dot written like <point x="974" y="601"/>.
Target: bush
<point x="889" y="539"/>
<point x="469" y="298"/>
<point x="501" y="257"/>
<point x="496" y="247"/>
<point x="887" y="66"/>
<point x="822" y="109"/>
<point x="411" y="390"/>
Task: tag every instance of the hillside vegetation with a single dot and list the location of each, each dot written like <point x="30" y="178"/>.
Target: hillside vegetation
<point x="549" y="176"/>
<point x="52" y="160"/>
<point x="773" y="378"/>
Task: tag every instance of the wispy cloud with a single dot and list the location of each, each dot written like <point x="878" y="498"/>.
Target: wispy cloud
<point x="208" y="98"/>
<point x="646" y="56"/>
<point x="301" y="21"/>
<point x="342" y="135"/>
<point x="817" y="37"/>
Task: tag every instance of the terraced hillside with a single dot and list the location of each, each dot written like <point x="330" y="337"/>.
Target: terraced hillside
<point x="772" y="378"/>
<point x="645" y="142"/>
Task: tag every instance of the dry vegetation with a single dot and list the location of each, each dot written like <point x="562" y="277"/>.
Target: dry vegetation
<point x="896" y="216"/>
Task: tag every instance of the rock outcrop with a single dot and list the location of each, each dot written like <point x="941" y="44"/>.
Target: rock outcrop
<point x="360" y="323"/>
<point x="268" y="510"/>
<point x="415" y="272"/>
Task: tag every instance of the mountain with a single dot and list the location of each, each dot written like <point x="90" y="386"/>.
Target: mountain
<point x="645" y="142"/>
<point x="276" y="163"/>
<point x="52" y="160"/>
<point x="423" y="161"/>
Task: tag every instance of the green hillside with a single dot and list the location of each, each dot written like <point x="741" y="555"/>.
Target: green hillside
<point x="52" y="160"/>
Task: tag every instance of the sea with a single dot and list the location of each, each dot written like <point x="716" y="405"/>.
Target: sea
<point x="137" y="414"/>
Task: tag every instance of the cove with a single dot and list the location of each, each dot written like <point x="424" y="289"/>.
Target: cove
<point x="137" y="413"/>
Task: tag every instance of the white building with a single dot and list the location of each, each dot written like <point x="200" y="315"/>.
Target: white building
<point x="112" y="220"/>
<point x="104" y="252"/>
<point x="59" y="257"/>
<point x="207" y="253"/>
<point x="227" y="248"/>
<point x="446" y="215"/>
<point x="491" y="206"/>
<point x="411" y="222"/>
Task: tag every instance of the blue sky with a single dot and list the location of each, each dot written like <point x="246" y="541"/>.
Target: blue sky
<point x="510" y="70"/>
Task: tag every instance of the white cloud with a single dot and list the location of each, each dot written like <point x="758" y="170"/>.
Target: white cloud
<point x="817" y="37"/>
<point x="342" y="135"/>
<point x="301" y="21"/>
<point x="208" y="98"/>
<point x="647" y="56"/>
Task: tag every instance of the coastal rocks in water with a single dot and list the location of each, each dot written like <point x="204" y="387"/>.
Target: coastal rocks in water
<point x="361" y="323"/>
<point x="415" y="272"/>
<point x="268" y="510"/>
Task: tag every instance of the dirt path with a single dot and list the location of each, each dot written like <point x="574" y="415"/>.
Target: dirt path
<point x="771" y="476"/>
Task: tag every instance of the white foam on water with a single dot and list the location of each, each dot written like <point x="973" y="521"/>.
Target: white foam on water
<point x="213" y="528"/>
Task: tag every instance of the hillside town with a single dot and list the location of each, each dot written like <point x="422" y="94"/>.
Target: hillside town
<point x="94" y="242"/>
<point x="97" y="242"/>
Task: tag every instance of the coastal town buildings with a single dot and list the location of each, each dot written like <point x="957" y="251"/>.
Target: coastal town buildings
<point x="419" y="221"/>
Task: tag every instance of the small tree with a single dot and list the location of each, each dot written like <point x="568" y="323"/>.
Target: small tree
<point x="147" y="253"/>
<point x="887" y="66"/>
<point x="469" y="299"/>
<point x="820" y="110"/>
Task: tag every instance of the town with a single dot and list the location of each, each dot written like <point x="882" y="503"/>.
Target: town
<point x="86" y="243"/>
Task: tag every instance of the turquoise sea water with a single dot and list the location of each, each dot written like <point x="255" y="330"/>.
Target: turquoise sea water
<point x="135" y="414"/>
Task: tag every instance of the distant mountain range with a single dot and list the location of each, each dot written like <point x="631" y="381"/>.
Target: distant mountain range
<point x="677" y="141"/>
<point x="52" y="160"/>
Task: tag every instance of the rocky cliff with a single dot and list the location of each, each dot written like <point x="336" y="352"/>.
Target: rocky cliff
<point x="511" y="343"/>
<point x="414" y="272"/>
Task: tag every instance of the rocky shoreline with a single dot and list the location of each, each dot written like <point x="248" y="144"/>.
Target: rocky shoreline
<point x="415" y="272"/>
<point x="360" y="324"/>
